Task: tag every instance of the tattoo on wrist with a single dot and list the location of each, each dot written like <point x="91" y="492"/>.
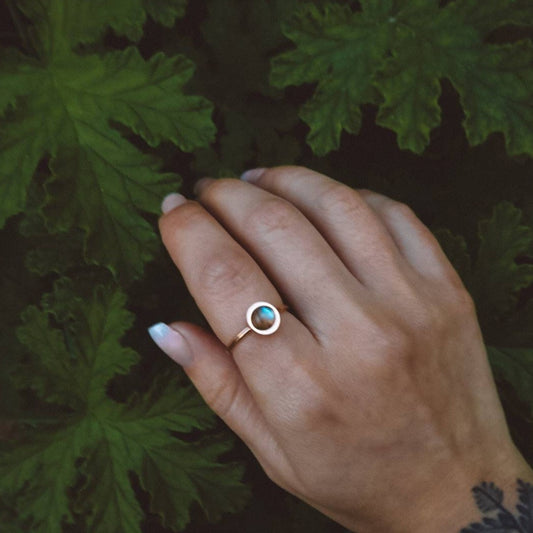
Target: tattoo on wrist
<point x="499" y="519"/>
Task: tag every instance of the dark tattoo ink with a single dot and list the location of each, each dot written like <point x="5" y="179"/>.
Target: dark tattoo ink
<point x="489" y="499"/>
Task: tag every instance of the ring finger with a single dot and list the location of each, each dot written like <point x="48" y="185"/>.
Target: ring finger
<point x="224" y="281"/>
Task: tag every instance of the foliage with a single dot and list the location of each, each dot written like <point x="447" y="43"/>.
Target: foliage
<point x="60" y="103"/>
<point x="394" y="53"/>
<point x="101" y="441"/>
<point x="106" y="106"/>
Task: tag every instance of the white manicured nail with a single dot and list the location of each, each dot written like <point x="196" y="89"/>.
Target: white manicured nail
<point x="252" y="175"/>
<point x="171" y="201"/>
<point x="172" y="343"/>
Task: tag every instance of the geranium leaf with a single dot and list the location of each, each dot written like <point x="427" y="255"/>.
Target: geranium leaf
<point x="496" y="277"/>
<point x="190" y="473"/>
<point x="99" y="441"/>
<point x="339" y="49"/>
<point x="101" y="181"/>
<point x="394" y="54"/>
<point x="515" y="365"/>
<point x="165" y="11"/>
<point x="38" y="474"/>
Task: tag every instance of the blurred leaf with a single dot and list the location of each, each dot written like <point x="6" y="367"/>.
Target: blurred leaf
<point x="165" y="11"/>
<point x="515" y="365"/>
<point x="495" y="278"/>
<point x="102" y="441"/>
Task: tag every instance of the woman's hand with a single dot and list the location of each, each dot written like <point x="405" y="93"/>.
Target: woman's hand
<point x="374" y="401"/>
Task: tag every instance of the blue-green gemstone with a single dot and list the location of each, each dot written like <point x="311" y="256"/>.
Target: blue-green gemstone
<point x="263" y="317"/>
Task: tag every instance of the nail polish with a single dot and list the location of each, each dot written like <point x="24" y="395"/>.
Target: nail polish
<point x="200" y="184"/>
<point x="173" y="343"/>
<point x="171" y="201"/>
<point x="251" y="176"/>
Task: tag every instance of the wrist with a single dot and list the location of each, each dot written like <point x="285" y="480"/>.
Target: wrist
<point x="452" y="506"/>
<point x="447" y="502"/>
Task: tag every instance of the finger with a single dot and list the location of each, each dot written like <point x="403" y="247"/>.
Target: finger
<point x="345" y="220"/>
<point x="289" y="249"/>
<point x="224" y="281"/>
<point x="414" y="240"/>
<point x="217" y="378"/>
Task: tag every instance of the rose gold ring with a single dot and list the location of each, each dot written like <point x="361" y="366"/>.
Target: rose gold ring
<point x="261" y="317"/>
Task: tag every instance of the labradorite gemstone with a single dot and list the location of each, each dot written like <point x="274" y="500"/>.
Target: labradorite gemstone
<point x="263" y="317"/>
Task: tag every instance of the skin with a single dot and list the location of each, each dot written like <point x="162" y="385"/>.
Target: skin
<point x="374" y="401"/>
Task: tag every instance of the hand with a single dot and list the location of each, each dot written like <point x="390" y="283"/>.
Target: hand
<point x="374" y="401"/>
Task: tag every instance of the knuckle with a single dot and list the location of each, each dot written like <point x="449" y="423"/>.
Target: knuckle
<point x="395" y="345"/>
<point x="313" y="412"/>
<point x="398" y="209"/>
<point x="181" y="219"/>
<point x="225" y="274"/>
<point x="462" y="302"/>
<point x="219" y="186"/>
<point x="272" y="215"/>
<point x="284" y="171"/>
<point x="430" y="321"/>
<point x="341" y="199"/>
<point x="280" y="177"/>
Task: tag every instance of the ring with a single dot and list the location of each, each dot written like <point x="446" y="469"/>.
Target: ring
<point x="261" y="317"/>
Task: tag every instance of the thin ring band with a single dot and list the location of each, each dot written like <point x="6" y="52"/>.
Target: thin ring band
<point x="247" y="329"/>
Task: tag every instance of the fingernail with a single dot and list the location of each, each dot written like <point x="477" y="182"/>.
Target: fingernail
<point x="252" y="175"/>
<point x="172" y="343"/>
<point x="171" y="201"/>
<point x="201" y="184"/>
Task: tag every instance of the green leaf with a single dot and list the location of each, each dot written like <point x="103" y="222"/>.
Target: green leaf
<point x="514" y="365"/>
<point x="60" y="25"/>
<point x="497" y="94"/>
<point x="339" y="49"/>
<point x="256" y="124"/>
<point x="409" y="82"/>
<point x="107" y="496"/>
<point x="48" y="252"/>
<point x="38" y="473"/>
<point x="168" y="476"/>
<point x="95" y="355"/>
<point x="101" y="442"/>
<point x="22" y="144"/>
<point x="496" y="277"/>
<point x="51" y="375"/>
<point x="18" y="77"/>
<point x="163" y="405"/>
<point x="100" y="181"/>
<point x="491" y="14"/>
<point x="146" y="96"/>
<point x="165" y="11"/>
<point x="395" y="54"/>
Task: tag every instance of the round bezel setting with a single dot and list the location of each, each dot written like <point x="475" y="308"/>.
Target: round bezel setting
<point x="271" y="329"/>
